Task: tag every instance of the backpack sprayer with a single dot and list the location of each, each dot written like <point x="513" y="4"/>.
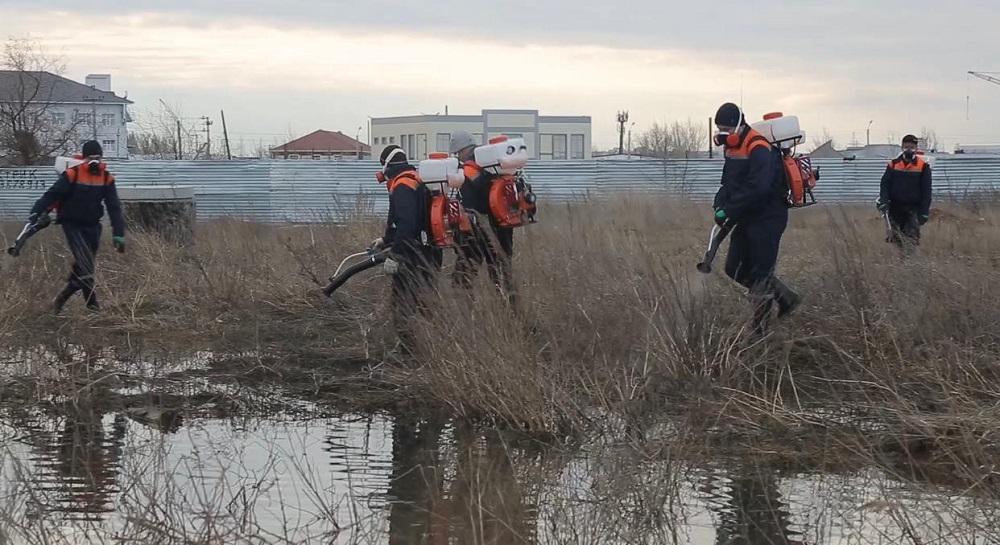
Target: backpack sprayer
<point x="36" y="224"/>
<point x="783" y="133"/>
<point x="30" y="228"/>
<point x="714" y="241"/>
<point x="373" y="258"/>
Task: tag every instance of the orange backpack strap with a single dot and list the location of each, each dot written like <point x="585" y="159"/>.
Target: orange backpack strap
<point x="408" y="178"/>
<point x="756" y="141"/>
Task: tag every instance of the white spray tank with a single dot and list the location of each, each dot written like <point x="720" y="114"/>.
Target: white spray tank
<point x="780" y="130"/>
<point x="63" y="163"/>
<point x="439" y="168"/>
<point x="503" y="155"/>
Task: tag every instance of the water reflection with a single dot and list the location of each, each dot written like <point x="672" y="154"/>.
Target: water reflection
<point x="750" y="509"/>
<point x="408" y="479"/>
<point x="76" y="461"/>
<point x="417" y="512"/>
<point x="470" y="494"/>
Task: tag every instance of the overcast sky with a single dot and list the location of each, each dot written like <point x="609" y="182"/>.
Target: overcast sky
<point x="295" y="66"/>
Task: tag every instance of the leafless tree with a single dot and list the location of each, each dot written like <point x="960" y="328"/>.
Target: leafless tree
<point x="156" y="136"/>
<point x="930" y="138"/>
<point x="823" y="139"/>
<point x="30" y="131"/>
<point x="676" y="140"/>
<point x="159" y="131"/>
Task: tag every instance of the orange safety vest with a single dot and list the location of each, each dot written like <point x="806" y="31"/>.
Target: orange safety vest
<point x="80" y="174"/>
<point x="752" y="139"/>
<point x="407" y="178"/>
<point x="471" y="169"/>
<point x="899" y="165"/>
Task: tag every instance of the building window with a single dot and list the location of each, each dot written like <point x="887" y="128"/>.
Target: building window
<point x="443" y="141"/>
<point x="545" y="147"/>
<point x="392" y="140"/>
<point x="421" y="145"/>
<point x="293" y="156"/>
<point x="110" y="146"/>
<point x="58" y="118"/>
<point x="107" y="120"/>
<point x="81" y="117"/>
<point x="317" y="156"/>
<point x="576" y="146"/>
<point x="558" y="146"/>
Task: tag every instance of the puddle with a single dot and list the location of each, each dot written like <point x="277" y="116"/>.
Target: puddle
<point x="82" y="476"/>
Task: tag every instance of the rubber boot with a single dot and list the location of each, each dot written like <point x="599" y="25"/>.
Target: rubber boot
<point x="90" y="296"/>
<point x="62" y="297"/>
<point x="787" y="299"/>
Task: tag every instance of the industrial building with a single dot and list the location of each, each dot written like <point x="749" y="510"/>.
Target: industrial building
<point x="547" y="137"/>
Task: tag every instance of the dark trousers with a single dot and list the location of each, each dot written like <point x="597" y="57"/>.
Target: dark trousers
<point x="905" y="227"/>
<point x="412" y="285"/>
<point x="753" y="254"/>
<point x="494" y="246"/>
<point x="83" y="240"/>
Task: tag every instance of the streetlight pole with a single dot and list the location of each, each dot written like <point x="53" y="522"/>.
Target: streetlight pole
<point x="868" y="134"/>
<point x="630" y="139"/>
<point x="371" y="147"/>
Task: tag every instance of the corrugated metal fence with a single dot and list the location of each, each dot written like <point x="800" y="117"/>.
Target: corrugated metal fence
<point x="305" y="191"/>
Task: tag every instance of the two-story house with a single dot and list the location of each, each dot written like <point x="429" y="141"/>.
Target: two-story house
<point x="65" y="113"/>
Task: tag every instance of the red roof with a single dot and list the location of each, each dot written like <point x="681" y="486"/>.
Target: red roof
<point x="322" y="141"/>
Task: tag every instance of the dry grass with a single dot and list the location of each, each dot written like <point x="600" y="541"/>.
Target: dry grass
<point x="886" y="358"/>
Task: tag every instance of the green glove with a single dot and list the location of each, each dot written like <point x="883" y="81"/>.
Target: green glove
<point x="720" y="217"/>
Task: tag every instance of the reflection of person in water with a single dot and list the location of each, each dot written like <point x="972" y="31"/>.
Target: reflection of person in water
<point x="82" y="462"/>
<point x="487" y="498"/>
<point x="416" y="489"/>
<point x="754" y="514"/>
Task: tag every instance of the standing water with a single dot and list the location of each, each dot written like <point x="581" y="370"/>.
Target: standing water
<point x="77" y="475"/>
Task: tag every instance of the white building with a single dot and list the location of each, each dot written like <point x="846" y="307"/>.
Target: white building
<point x="74" y="112"/>
<point x="547" y="137"/>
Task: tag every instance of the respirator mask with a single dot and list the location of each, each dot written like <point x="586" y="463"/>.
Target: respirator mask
<point x="730" y="139"/>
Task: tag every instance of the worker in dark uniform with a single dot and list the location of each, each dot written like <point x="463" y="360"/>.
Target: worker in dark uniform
<point x="489" y="242"/>
<point x="80" y="195"/>
<point x="753" y="195"/>
<point x="413" y="260"/>
<point x="905" y="195"/>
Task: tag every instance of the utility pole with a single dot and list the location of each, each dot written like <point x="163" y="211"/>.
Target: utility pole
<point x="622" y="120"/>
<point x="178" y="148"/>
<point x="93" y="113"/>
<point x="208" y="136"/>
<point x="710" y="133"/>
<point x="225" y="135"/>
